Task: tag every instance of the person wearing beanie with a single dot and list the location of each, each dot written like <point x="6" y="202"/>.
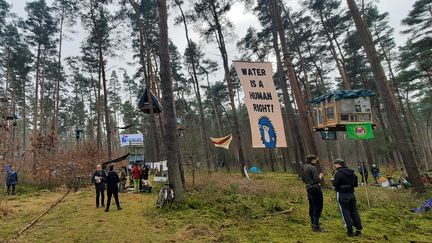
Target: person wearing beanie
<point x="344" y="183"/>
<point x="112" y="188"/>
<point x="311" y="177"/>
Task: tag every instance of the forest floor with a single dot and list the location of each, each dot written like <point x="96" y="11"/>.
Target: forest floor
<point x="222" y="207"/>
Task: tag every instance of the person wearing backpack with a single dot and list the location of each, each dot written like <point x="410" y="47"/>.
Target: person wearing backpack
<point x="344" y="182"/>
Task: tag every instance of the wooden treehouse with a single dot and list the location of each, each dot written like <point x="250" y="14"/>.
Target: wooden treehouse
<point x="334" y="110"/>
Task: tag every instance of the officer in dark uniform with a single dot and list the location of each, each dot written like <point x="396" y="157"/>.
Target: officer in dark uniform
<point x="311" y="177"/>
<point x="345" y="180"/>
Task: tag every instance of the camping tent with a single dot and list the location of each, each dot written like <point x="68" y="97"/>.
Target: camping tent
<point x="255" y="170"/>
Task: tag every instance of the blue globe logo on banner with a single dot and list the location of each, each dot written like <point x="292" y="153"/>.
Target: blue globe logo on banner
<point x="267" y="131"/>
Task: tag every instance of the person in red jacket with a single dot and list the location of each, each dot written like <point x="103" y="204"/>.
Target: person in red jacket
<point x="136" y="176"/>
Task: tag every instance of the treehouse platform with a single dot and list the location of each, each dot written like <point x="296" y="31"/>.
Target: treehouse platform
<point x="334" y="110"/>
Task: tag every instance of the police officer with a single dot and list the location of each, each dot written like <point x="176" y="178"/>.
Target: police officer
<point x="311" y="177"/>
<point x="344" y="182"/>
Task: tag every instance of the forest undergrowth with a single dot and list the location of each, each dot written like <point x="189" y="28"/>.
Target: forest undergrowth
<point x="221" y="207"/>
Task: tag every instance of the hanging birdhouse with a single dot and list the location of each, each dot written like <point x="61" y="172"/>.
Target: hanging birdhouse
<point x="334" y="110"/>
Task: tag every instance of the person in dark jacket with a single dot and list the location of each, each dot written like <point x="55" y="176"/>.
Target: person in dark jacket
<point x="11" y="180"/>
<point x="145" y="177"/>
<point x="344" y="182"/>
<point x="311" y="177"/>
<point x="112" y="188"/>
<point x="98" y="180"/>
<point x="362" y="169"/>
<point x="375" y="173"/>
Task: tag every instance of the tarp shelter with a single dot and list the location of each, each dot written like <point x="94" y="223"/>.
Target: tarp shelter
<point x="144" y="103"/>
<point x="255" y="170"/>
<point x="343" y="94"/>
<point x="115" y="160"/>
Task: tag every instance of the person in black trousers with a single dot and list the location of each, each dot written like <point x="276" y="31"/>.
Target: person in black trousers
<point x="112" y="188"/>
<point x="344" y="182"/>
<point x="98" y="180"/>
<point x="363" y="172"/>
<point x="312" y="178"/>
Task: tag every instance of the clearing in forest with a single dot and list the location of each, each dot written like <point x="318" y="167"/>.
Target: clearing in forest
<point x="272" y="207"/>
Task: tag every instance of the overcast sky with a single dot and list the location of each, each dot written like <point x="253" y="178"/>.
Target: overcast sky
<point x="398" y="9"/>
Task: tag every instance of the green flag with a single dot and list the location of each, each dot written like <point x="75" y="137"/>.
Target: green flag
<point x="360" y="131"/>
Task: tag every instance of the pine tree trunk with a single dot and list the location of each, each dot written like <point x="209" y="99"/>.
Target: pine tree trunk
<point x="395" y="85"/>
<point x="236" y="126"/>
<point x="171" y="136"/>
<point x="42" y="127"/>
<point x="345" y="81"/>
<point x="388" y="99"/>
<point x="106" y="107"/>
<point x="98" y="111"/>
<point x="295" y="86"/>
<point x="296" y="140"/>
<point x="59" y="77"/>
<point x="198" y="93"/>
<point x="146" y="64"/>
<point x="24" y="138"/>
<point x="36" y="107"/>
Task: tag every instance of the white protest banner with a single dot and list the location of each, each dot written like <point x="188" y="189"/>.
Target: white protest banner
<point x="131" y="139"/>
<point x="262" y="103"/>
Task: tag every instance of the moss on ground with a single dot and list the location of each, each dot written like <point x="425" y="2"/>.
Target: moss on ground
<point x="272" y="207"/>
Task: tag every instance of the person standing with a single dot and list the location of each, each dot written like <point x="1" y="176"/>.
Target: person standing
<point x="11" y="180"/>
<point x="344" y="183"/>
<point x="375" y="173"/>
<point x="363" y="172"/>
<point x="122" y="175"/>
<point x="311" y="177"/>
<point x="145" y="176"/>
<point x="98" y="180"/>
<point x="112" y="188"/>
<point x="136" y="176"/>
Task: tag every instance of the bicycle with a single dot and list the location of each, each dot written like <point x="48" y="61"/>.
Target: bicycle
<point x="165" y="196"/>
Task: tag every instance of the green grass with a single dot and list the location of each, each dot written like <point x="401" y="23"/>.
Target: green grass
<point x="272" y="207"/>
